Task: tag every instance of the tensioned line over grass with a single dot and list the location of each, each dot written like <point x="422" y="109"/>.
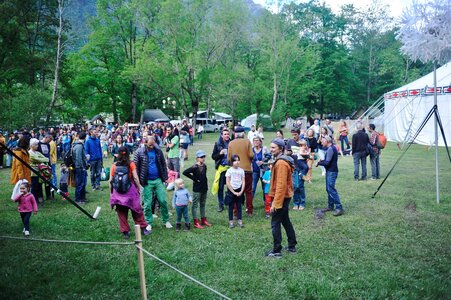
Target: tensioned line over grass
<point x="394" y="246"/>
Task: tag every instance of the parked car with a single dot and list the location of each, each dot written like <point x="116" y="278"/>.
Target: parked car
<point x="209" y="125"/>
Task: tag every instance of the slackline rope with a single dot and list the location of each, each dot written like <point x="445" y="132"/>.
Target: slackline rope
<point x="182" y="273"/>
<point x="120" y="244"/>
<point x="66" y="241"/>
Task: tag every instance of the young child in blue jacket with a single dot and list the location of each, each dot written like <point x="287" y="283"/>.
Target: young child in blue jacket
<point x="180" y="202"/>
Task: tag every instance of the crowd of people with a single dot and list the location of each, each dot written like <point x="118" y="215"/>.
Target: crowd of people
<point x="159" y="152"/>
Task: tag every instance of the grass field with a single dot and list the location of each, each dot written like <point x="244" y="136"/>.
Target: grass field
<point x="395" y="246"/>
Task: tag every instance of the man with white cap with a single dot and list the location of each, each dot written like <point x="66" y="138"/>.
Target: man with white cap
<point x="243" y="148"/>
<point x="252" y="134"/>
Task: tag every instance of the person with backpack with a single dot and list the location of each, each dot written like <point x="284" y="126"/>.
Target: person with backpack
<point x="374" y="159"/>
<point x="125" y="193"/>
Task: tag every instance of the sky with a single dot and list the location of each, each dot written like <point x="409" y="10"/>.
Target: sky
<point x="395" y="6"/>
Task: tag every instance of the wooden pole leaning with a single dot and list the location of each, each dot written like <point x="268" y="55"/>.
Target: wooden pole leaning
<point x="142" y="274"/>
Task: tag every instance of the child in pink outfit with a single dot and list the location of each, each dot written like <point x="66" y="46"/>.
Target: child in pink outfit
<point x="27" y="205"/>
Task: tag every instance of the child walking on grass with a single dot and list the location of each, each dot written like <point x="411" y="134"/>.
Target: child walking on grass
<point x="180" y="202"/>
<point x="198" y="174"/>
<point x="64" y="177"/>
<point x="266" y="178"/>
<point x="27" y="205"/>
<point x="235" y="189"/>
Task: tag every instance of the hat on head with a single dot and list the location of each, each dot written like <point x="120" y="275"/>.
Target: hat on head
<point x="33" y="142"/>
<point x="278" y="142"/>
<point x="200" y="153"/>
<point x="239" y="129"/>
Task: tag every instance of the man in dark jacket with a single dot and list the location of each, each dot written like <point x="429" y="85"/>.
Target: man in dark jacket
<point x="360" y="140"/>
<point x="152" y="172"/>
<point x="219" y="155"/>
<point x="80" y="165"/>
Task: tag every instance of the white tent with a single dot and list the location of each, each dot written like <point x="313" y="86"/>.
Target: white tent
<point x="407" y="107"/>
<point x="252" y="120"/>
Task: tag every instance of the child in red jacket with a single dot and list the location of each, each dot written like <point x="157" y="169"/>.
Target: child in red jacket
<point x="27" y="204"/>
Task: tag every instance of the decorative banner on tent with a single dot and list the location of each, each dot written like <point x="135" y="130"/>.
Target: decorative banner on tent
<point x="414" y="92"/>
<point x="430" y="91"/>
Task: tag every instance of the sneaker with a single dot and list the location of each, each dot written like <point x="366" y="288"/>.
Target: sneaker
<point x="290" y="249"/>
<point x="149" y="228"/>
<point x="240" y="224"/>
<point x="154" y="216"/>
<point x="274" y="254"/>
<point x="80" y="202"/>
<point x="99" y="188"/>
<point x="126" y="235"/>
<point x="323" y="174"/>
<point x="26" y="232"/>
<point x="178" y="226"/>
<point x="220" y="208"/>
<point x="168" y="225"/>
<point x="146" y="232"/>
<point x="295" y="207"/>
<point x="301" y="208"/>
<point x="231" y="225"/>
<point x="267" y="216"/>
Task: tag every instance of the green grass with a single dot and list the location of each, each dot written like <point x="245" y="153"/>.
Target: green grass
<point x="394" y="246"/>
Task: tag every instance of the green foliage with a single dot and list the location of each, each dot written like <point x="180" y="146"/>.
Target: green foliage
<point x="393" y="246"/>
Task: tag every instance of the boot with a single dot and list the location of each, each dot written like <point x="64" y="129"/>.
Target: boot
<point x="178" y="227"/>
<point x="187" y="226"/>
<point x="197" y="225"/>
<point x="205" y="222"/>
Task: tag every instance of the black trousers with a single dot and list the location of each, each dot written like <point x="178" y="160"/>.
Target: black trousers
<point x="280" y="217"/>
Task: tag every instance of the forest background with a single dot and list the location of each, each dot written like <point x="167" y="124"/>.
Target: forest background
<point x="65" y="61"/>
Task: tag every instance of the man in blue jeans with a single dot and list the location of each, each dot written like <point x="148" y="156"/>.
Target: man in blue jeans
<point x="94" y="151"/>
<point x="80" y="165"/>
<point x="330" y="163"/>
<point x="360" y="140"/>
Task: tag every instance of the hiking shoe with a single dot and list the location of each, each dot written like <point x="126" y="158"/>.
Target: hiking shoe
<point x="290" y="249"/>
<point x="273" y="254"/>
<point x="168" y="225"/>
<point x="26" y="232"/>
<point x="338" y="212"/>
<point x="326" y="209"/>
<point x="126" y="235"/>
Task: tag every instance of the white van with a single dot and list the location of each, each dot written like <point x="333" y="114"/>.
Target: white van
<point x="209" y="125"/>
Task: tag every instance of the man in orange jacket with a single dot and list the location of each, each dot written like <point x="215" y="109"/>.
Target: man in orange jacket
<point x="281" y="191"/>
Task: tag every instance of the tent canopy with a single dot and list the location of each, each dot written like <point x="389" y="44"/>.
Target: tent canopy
<point x="406" y="108"/>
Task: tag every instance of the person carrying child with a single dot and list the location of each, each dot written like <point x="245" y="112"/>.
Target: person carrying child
<point x="180" y="202"/>
<point x="235" y="187"/>
<point x="198" y="174"/>
<point x="300" y="171"/>
<point x="27" y="205"/>
<point x="125" y="193"/>
<point x="266" y="178"/>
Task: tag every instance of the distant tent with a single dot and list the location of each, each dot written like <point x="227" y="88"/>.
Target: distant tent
<point x="406" y="108"/>
<point x="252" y="120"/>
<point x="154" y="115"/>
<point x="97" y="120"/>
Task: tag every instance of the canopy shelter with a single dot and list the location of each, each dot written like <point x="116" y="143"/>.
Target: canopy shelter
<point x="406" y="108"/>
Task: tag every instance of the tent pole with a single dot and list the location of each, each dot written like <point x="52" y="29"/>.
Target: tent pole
<point x="436" y="135"/>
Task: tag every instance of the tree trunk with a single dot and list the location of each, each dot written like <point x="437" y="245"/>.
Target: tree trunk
<point x="58" y="59"/>
<point x="134" y="102"/>
<point x="274" y="96"/>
